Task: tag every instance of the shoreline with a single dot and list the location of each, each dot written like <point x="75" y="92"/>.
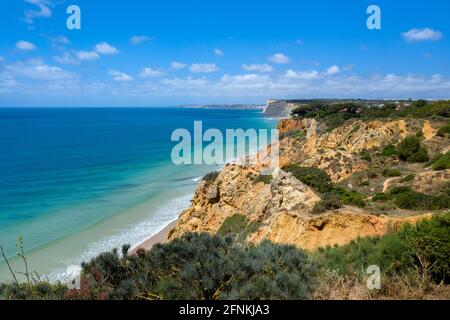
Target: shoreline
<point x="160" y="237"/>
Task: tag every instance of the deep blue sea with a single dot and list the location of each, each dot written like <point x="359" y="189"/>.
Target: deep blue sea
<point x="76" y="181"/>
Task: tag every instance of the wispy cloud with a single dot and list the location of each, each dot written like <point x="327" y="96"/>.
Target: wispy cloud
<point x="67" y="58"/>
<point x="218" y="52"/>
<point x="60" y="40"/>
<point x="119" y="76"/>
<point x="42" y="11"/>
<point x="140" y="39"/>
<point x="279" y="58"/>
<point x="105" y="48"/>
<point x="424" y="34"/>
<point x="333" y="70"/>
<point x="151" y="73"/>
<point x="203" y="67"/>
<point x="177" y="65"/>
<point x="25" y="45"/>
<point x="36" y="69"/>
<point x="257" y="67"/>
<point x="87" y="55"/>
<point x="304" y="75"/>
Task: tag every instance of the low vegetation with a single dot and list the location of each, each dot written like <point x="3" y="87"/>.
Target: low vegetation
<point x="425" y="246"/>
<point x="334" y="114"/>
<point x="444" y="131"/>
<point x="266" y="179"/>
<point x="237" y="226"/>
<point x="202" y="266"/>
<point x="441" y="162"/>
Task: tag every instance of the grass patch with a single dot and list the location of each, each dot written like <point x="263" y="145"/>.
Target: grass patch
<point x="406" y="198"/>
<point x="392" y="173"/>
<point x="329" y="202"/>
<point x="266" y="179"/>
<point x="312" y="177"/>
<point x="444" y="131"/>
<point x="441" y="162"/>
<point x="408" y="178"/>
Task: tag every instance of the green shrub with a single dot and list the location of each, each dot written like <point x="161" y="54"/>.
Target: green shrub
<point x="410" y="150"/>
<point x="365" y="155"/>
<point x="392" y="173"/>
<point x="329" y="201"/>
<point x="312" y="177"/>
<point x="32" y="291"/>
<point x="441" y="162"/>
<point x="381" y="197"/>
<point x="428" y="240"/>
<point x="408" y="178"/>
<point x="398" y="190"/>
<point x="413" y="200"/>
<point x="406" y="198"/>
<point x="351" y="198"/>
<point x="443" y="131"/>
<point x="201" y="266"/>
<point x="419" y="156"/>
<point x="266" y="179"/>
<point x="389" y="151"/>
<point x="237" y="225"/>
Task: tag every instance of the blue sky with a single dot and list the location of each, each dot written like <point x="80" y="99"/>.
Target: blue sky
<point x="153" y="53"/>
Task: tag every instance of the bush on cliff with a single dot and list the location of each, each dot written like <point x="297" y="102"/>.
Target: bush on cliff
<point x="424" y="246"/>
<point x="201" y="266"/>
<point x="409" y="149"/>
<point x="444" y="131"/>
<point x="406" y="198"/>
<point x="312" y="177"/>
<point x="441" y="162"/>
<point x="237" y="225"/>
<point x="328" y="202"/>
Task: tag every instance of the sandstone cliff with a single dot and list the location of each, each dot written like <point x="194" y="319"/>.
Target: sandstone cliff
<point x="283" y="207"/>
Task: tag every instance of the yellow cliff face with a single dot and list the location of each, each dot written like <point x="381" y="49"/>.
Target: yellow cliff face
<point x="283" y="207"/>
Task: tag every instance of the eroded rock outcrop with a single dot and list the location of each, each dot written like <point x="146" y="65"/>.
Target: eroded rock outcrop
<point x="283" y="208"/>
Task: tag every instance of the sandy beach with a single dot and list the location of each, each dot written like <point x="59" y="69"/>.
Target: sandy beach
<point x="160" y="237"/>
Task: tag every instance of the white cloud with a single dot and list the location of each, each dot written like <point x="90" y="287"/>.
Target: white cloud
<point x="2" y="59"/>
<point x="424" y="34"/>
<point x="203" y="67"/>
<point x="60" y="40"/>
<point x="299" y="42"/>
<point x="87" y="55"/>
<point x="177" y="65"/>
<point x="218" y="52"/>
<point x="37" y="70"/>
<point x="105" y="48"/>
<point x="333" y="70"/>
<point x="42" y="11"/>
<point x="67" y="58"/>
<point x="139" y="39"/>
<point x="25" y="45"/>
<point x="151" y="73"/>
<point x="305" y="75"/>
<point x="279" y="58"/>
<point x="119" y="76"/>
<point x="257" y="67"/>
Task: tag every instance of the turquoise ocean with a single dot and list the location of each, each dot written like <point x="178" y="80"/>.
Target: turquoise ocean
<point x="75" y="182"/>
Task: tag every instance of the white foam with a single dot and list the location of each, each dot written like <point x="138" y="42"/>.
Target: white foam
<point x="133" y="235"/>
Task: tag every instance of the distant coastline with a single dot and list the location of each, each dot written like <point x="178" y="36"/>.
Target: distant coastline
<point x="226" y="106"/>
